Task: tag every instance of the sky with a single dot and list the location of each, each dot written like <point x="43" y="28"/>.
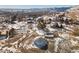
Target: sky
<point x="32" y="6"/>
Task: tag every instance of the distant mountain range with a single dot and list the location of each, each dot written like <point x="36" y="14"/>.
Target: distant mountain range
<point x="57" y="9"/>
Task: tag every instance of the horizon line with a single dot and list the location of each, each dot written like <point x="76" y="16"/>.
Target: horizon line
<point x="31" y="6"/>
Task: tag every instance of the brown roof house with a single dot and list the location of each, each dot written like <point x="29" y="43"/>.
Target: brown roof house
<point x="6" y="33"/>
